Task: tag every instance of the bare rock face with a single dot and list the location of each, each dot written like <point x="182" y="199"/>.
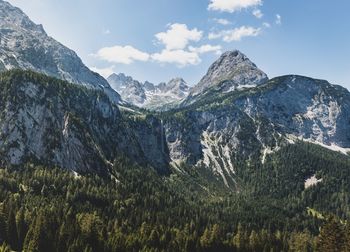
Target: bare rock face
<point x="25" y="45"/>
<point x="232" y="71"/>
<point x="51" y="122"/>
<point x="252" y="123"/>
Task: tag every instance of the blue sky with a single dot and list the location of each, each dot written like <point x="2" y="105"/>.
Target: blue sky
<point x="156" y="40"/>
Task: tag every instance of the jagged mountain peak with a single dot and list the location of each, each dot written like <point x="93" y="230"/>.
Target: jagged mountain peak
<point x="11" y="16"/>
<point x="231" y="66"/>
<point x="148" y="94"/>
<point x="25" y="45"/>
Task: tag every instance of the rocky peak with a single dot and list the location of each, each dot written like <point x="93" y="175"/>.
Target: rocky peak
<point x="178" y="87"/>
<point x="25" y="45"/>
<point x="177" y="83"/>
<point x="13" y="17"/>
<point x="148" y="94"/>
<point x="148" y="86"/>
<point x="121" y="81"/>
<point x="232" y="66"/>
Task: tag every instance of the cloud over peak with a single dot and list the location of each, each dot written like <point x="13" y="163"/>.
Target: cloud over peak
<point x="178" y="36"/>
<point x="179" y="57"/>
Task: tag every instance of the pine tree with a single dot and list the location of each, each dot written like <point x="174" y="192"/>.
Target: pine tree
<point x="347" y="243"/>
<point x="332" y="237"/>
<point x="21" y="228"/>
<point x="2" y="225"/>
<point x="205" y="239"/>
<point x="37" y="238"/>
<point x="254" y="242"/>
<point x="239" y="238"/>
<point x="12" y="234"/>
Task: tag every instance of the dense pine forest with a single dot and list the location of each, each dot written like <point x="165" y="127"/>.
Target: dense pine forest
<point x="49" y="209"/>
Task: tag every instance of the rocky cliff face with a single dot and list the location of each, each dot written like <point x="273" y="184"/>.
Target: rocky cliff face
<point x="252" y="123"/>
<point x="148" y="95"/>
<point x="25" y="45"/>
<point x="234" y="115"/>
<point x="51" y="122"/>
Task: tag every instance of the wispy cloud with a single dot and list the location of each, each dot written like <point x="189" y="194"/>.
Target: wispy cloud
<point x="179" y="57"/>
<point x="266" y="25"/>
<point x="121" y="54"/>
<point x="105" y="72"/>
<point x="278" y="19"/>
<point x="178" y="36"/>
<point x="206" y="48"/>
<point x="222" y="21"/>
<point x="232" y="5"/>
<point x="236" y="34"/>
<point x="257" y="13"/>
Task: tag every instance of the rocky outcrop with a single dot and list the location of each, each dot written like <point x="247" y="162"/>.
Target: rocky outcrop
<point x="25" y="45"/>
<point x="52" y="122"/>
<point x="250" y="124"/>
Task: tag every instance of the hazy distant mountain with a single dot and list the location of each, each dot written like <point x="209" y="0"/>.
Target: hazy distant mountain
<point x="149" y="95"/>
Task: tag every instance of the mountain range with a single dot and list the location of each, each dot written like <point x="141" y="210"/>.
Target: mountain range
<point x="147" y="94"/>
<point x="237" y="162"/>
<point x="235" y="112"/>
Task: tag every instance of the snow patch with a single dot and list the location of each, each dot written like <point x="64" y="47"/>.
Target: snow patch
<point x="312" y="181"/>
<point x="333" y="147"/>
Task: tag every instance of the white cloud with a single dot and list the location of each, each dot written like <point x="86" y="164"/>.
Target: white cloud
<point x="257" y="13"/>
<point x="222" y="21"/>
<point x="179" y="57"/>
<point x="236" y="34"/>
<point x="232" y="5"/>
<point x="266" y="25"/>
<point x="178" y="36"/>
<point x="122" y="54"/>
<point x="278" y="19"/>
<point x="216" y="35"/>
<point x="206" y="48"/>
<point x="105" y="72"/>
<point x="177" y="49"/>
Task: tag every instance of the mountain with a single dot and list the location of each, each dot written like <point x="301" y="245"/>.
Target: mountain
<point x="220" y="131"/>
<point x="243" y="163"/>
<point x="130" y="90"/>
<point x="233" y="70"/>
<point x="25" y="45"/>
<point x="149" y="95"/>
<point x="52" y="122"/>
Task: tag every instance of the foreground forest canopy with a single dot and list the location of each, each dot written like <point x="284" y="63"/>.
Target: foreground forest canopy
<point x="48" y="209"/>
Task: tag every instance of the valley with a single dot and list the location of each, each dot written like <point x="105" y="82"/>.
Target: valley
<point x="237" y="162"/>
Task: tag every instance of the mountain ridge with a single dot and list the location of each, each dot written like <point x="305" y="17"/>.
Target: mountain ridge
<point x="25" y="45"/>
<point x="147" y="94"/>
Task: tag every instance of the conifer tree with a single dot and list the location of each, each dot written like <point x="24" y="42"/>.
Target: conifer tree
<point x="12" y="234"/>
<point x="332" y="236"/>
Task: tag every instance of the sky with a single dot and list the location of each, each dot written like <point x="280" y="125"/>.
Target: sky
<point x="157" y="40"/>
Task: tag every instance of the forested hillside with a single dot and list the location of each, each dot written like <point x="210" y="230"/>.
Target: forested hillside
<point x="48" y="209"/>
